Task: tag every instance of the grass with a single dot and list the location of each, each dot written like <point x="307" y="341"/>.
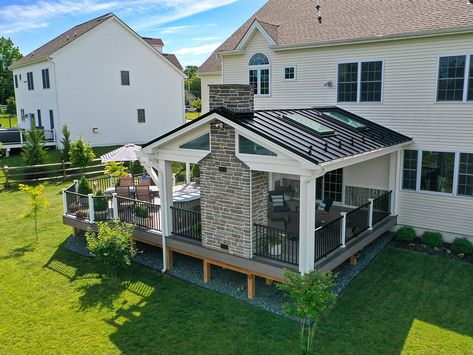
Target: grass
<point x="192" y="115"/>
<point x="5" y="121"/>
<point x="53" y="301"/>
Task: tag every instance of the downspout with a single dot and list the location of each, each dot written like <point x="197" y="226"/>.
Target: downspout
<point x="56" y="114"/>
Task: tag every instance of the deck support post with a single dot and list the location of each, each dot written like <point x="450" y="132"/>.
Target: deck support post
<point x="353" y="260"/>
<point x="370" y="214"/>
<point x="64" y="201"/>
<point x="91" y="208"/>
<point x="251" y="284"/>
<point x="170" y="259"/>
<point x="269" y="282"/>
<point x="115" y="206"/>
<point x="207" y="271"/>
<point x="307" y="224"/>
<point x="343" y="230"/>
<point x="165" y="194"/>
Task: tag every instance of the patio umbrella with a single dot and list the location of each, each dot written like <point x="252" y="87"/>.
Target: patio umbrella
<point x="125" y="153"/>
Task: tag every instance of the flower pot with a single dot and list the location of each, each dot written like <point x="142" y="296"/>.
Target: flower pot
<point x="101" y="215"/>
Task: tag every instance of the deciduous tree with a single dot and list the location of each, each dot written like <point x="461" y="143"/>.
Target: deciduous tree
<point x="9" y="54"/>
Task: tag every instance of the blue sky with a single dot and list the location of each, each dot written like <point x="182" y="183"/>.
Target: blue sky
<point x="190" y="28"/>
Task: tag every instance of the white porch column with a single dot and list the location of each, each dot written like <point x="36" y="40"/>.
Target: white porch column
<point x="394" y="179"/>
<point x="307" y="224"/>
<point x="165" y="195"/>
<point x="188" y="173"/>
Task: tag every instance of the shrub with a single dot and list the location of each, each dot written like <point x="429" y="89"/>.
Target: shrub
<point x="66" y="143"/>
<point x="111" y="244"/>
<point x="141" y="211"/>
<point x="195" y="171"/>
<point x="84" y="187"/>
<point x="136" y="168"/>
<point x="462" y="246"/>
<point x="432" y="239"/>
<point x="33" y="152"/>
<point x="310" y="295"/>
<point x="406" y="234"/>
<point x="100" y="202"/>
<point x="116" y="169"/>
<point x="81" y="154"/>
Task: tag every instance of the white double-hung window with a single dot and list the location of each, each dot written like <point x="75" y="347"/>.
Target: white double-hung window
<point x="259" y="73"/>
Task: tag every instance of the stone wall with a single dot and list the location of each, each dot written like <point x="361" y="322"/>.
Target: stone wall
<point x="238" y="98"/>
<point x="225" y="196"/>
<point x="259" y="199"/>
<point x="357" y="196"/>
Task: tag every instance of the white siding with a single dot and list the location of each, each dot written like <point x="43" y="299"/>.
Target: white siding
<point x="410" y="72"/>
<point x="410" y="76"/>
<point x="38" y="99"/>
<point x="205" y="81"/>
<point x="90" y="94"/>
<point x="372" y="174"/>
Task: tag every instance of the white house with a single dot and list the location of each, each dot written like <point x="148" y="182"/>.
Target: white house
<point x="104" y="81"/>
<point x="406" y="65"/>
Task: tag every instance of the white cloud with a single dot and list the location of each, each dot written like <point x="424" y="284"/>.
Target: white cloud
<point x="202" y="39"/>
<point x="172" y="29"/>
<point x="204" y="49"/>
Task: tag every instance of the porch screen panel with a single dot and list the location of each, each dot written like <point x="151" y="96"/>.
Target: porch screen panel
<point x="409" y="170"/>
<point x="347" y="82"/>
<point x="437" y="171"/>
<point x="465" y="175"/>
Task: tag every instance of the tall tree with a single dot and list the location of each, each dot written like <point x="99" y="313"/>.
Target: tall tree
<point x="190" y="70"/>
<point x="9" y="54"/>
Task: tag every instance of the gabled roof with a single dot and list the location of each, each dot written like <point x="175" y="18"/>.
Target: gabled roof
<point x="342" y="142"/>
<point x="173" y="59"/>
<point x="295" y="23"/>
<point x="60" y="41"/>
<point x="154" y="41"/>
<point x="211" y="65"/>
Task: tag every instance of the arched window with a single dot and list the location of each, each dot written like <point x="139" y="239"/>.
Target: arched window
<point x="259" y="73"/>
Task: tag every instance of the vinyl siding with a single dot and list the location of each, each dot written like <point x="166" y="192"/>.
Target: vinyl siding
<point x="206" y="80"/>
<point x="408" y="106"/>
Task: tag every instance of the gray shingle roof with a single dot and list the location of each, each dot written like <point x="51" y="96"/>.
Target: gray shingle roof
<point x="212" y="64"/>
<point x="292" y="23"/>
<point x="60" y="41"/>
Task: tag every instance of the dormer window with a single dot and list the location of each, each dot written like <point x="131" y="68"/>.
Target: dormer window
<point x="259" y="74"/>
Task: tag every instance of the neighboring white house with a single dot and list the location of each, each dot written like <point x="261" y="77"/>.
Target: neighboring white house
<point x="407" y="65"/>
<point x="104" y="81"/>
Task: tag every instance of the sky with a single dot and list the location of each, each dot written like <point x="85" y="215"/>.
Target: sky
<point x="191" y="29"/>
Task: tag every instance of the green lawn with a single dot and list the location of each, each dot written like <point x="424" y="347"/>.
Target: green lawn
<point x="53" y="301"/>
<point x="5" y="121"/>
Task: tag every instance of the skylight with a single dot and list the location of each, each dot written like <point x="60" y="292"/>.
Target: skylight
<point x="309" y="123"/>
<point x="199" y="143"/>
<point x="341" y="117"/>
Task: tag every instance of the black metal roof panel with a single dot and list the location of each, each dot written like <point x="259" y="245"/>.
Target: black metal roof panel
<point x="344" y="140"/>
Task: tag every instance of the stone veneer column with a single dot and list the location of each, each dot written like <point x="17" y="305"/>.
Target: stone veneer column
<point x="229" y="192"/>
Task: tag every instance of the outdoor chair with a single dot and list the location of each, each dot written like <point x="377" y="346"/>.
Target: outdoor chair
<point x="123" y="191"/>
<point x="326" y="204"/>
<point x="144" y="180"/>
<point x="143" y="193"/>
<point x="278" y="209"/>
<point x="126" y="181"/>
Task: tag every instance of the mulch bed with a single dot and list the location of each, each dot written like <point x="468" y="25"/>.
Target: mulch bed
<point x="418" y="246"/>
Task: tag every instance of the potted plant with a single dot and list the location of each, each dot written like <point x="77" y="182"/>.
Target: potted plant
<point x="141" y="214"/>
<point x="275" y="243"/>
<point x="74" y="207"/>
<point x="100" y="206"/>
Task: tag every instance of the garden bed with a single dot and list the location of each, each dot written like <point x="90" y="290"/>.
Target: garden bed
<point x="419" y="246"/>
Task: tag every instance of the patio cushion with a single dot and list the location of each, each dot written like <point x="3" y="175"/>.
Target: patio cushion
<point x="278" y="200"/>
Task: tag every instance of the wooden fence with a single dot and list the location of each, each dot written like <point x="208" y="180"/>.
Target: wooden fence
<point x="48" y="172"/>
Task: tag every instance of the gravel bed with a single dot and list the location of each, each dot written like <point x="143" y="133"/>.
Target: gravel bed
<point x="233" y="283"/>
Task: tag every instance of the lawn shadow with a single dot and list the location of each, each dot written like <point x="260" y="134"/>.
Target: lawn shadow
<point x="19" y="252"/>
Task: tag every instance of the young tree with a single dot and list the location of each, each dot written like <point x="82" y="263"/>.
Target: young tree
<point x="81" y="154"/>
<point x="309" y="296"/>
<point x="11" y="109"/>
<point x="9" y="54"/>
<point x="33" y="152"/>
<point x="197" y="104"/>
<point x="116" y="169"/>
<point x="37" y="203"/>
<point x="111" y="244"/>
<point x="66" y="143"/>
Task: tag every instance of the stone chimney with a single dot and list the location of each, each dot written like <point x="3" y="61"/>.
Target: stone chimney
<point x="238" y="98"/>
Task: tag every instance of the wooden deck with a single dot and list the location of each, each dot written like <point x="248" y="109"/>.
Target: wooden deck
<point x="271" y="270"/>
